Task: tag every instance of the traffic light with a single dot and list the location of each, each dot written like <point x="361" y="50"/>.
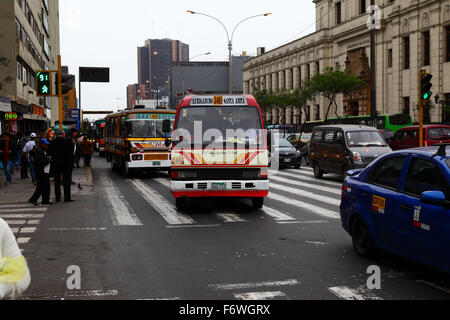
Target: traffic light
<point x="426" y="86"/>
<point x="68" y="82"/>
<point x="43" y="83"/>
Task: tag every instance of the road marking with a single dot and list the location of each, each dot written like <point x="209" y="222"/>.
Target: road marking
<point x="28" y="230"/>
<point x="277" y="215"/>
<point x="165" y="208"/>
<point x="24" y="210"/>
<point x="239" y="286"/>
<point x="259" y="295"/>
<point x="317" y="243"/>
<point x="7" y="206"/>
<point x="308" y="177"/>
<point x="194" y="226"/>
<point x="78" y="229"/>
<point x="122" y="214"/>
<point x="305" y="206"/>
<point x="161" y="299"/>
<point x="93" y="293"/>
<point x="304" y="222"/>
<point x="347" y="293"/>
<point x="436" y="286"/>
<point x="306" y="194"/>
<point x="230" y="217"/>
<point x="308" y="185"/>
<point x="23" y="240"/>
<point x="164" y="182"/>
<point x="21" y="216"/>
<point x="16" y="222"/>
<point x="15" y="230"/>
<point x="33" y="222"/>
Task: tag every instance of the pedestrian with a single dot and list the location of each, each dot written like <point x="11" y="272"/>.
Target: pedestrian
<point x="24" y="163"/>
<point x="87" y="150"/>
<point x="42" y="162"/>
<point x="78" y="150"/>
<point x="72" y="137"/>
<point x="29" y="151"/>
<point x="14" y="273"/>
<point x="61" y="151"/>
<point x="8" y="155"/>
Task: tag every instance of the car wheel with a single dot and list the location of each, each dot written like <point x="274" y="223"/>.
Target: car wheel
<point x="182" y="204"/>
<point x="318" y="173"/>
<point x="362" y="239"/>
<point x="297" y="166"/>
<point x="257" y="203"/>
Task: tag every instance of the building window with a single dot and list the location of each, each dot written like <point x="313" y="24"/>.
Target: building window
<point x="19" y="70"/>
<point x="24" y="72"/>
<point x="447" y="108"/>
<point x="426" y="48"/>
<point x="338" y="12"/>
<point x="406" y="106"/>
<point x="448" y="43"/>
<point x="362" y="7"/>
<point x="390" y="58"/>
<point x="308" y="72"/>
<point x="406" y="52"/>
<point x="308" y="113"/>
<point x="317" y="67"/>
<point x="318" y="112"/>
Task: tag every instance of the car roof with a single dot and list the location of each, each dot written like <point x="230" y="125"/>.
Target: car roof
<point x="348" y="127"/>
<point x="426" y="151"/>
<point x="427" y="126"/>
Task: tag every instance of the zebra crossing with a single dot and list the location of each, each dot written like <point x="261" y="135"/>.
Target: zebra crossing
<point x="23" y="219"/>
<point x="296" y="197"/>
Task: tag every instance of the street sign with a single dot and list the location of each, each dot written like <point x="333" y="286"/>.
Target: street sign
<point x="75" y="114"/>
<point x="88" y="74"/>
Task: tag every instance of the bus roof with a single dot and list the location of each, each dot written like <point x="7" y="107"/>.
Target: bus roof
<point x="132" y="111"/>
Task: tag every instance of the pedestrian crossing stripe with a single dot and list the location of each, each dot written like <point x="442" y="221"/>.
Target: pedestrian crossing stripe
<point x="306" y="176"/>
<point x="306" y="194"/>
<point x="306" y="185"/>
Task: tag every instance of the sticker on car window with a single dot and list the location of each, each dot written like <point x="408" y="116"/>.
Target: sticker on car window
<point x="379" y="204"/>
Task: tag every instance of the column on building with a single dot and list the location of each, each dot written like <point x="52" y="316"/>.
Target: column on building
<point x="246" y="87"/>
<point x="289" y="79"/>
<point x="296" y="73"/>
<point x="262" y="83"/>
<point x="275" y="82"/>
<point x="281" y="80"/>
<point x="268" y="82"/>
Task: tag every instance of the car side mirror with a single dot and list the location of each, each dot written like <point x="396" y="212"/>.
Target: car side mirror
<point x="167" y="126"/>
<point x="434" y="197"/>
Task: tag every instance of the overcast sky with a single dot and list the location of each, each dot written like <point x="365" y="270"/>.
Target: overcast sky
<point x="106" y="33"/>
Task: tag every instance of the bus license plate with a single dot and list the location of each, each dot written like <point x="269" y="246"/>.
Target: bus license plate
<point x="218" y="186"/>
<point x="156" y="164"/>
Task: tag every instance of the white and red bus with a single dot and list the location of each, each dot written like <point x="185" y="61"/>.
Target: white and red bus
<point x="219" y="150"/>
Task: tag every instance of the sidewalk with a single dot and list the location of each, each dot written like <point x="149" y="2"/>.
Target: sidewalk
<point x="22" y="189"/>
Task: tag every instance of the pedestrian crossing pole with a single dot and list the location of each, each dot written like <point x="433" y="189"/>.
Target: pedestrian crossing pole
<point x="60" y="95"/>
<point x="421" y="73"/>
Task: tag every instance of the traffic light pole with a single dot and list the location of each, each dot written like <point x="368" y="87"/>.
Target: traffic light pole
<point x="60" y="95"/>
<point x="421" y="73"/>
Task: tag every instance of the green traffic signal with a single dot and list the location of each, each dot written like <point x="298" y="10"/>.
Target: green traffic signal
<point x="43" y="82"/>
<point x="426" y="86"/>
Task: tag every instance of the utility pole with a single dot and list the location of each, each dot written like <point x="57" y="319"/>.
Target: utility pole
<point x="60" y="95"/>
<point x="373" y="78"/>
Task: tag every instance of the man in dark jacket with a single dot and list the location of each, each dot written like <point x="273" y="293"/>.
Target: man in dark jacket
<point x="42" y="166"/>
<point x="8" y="155"/>
<point x="61" y="151"/>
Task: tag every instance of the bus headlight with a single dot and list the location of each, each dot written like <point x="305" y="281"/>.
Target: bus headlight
<point x="137" y="157"/>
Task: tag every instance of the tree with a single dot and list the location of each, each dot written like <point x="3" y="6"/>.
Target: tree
<point x="334" y="82"/>
<point x="282" y="100"/>
<point x="300" y="98"/>
<point x="265" y="100"/>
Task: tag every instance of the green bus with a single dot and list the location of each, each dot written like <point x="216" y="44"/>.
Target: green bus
<point x="383" y="122"/>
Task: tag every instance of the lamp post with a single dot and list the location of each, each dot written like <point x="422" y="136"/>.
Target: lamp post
<point x="199" y="55"/>
<point x="230" y="42"/>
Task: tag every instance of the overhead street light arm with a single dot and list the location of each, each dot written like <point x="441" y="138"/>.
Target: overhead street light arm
<point x="252" y="17"/>
<point x="207" y="15"/>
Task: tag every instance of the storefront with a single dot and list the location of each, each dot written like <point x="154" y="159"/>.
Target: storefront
<point x="35" y="121"/>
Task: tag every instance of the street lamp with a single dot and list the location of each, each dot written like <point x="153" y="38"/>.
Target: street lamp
<point x="199" y="55"/>
<point x="230" y="41"/>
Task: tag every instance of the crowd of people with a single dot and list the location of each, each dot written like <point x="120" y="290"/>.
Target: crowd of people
<point x="44" y="156"/>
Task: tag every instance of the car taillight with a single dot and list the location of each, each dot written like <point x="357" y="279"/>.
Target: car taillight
<point x="264" y="173"/>
<point x="347" y="189"/>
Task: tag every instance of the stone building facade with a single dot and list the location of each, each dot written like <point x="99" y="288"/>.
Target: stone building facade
<point x="29" y="41"/>
<point x="413" y="35"/>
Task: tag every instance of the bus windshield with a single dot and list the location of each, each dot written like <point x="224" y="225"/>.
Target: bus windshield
<point x="221" y="123"/>
<point x="147" y="125"/>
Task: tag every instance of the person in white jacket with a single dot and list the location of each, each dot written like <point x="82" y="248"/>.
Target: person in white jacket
<point x="14" y="273"/>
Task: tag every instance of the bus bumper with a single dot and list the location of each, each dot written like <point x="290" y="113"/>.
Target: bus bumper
<point x="149" y="164"/>
<point x="232" y="189"/>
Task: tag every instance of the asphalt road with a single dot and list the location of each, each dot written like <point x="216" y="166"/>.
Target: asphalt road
<point x="129" y="242"/>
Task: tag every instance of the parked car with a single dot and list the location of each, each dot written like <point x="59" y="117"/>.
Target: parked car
<point x="408" y="137"/>
<point x="288" y="155"/>
<point x="299" y="140"/>
<point x="401" y="202"/>
<point x="388" y="135"/>
<point x="339" y="148"/>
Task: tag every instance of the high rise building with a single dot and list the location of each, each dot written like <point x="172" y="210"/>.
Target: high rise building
<point x="155" y="60"/>
<point x="29" y="41"/>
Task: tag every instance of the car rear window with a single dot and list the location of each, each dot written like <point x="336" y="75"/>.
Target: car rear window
<point x="424" y="176"/>
<point x="317" y="136"/>
<point x="387" y="173"/>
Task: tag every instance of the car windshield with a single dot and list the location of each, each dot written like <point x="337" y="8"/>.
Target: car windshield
<point x="220" y="124"/>
<point x="365" y="139"/>
<point x="283" y="143"/>
<point x="147" y="125"/>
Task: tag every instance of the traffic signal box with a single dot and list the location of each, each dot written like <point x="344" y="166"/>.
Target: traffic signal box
<point x="425" y="86"/>
<point x="44" y="83"/>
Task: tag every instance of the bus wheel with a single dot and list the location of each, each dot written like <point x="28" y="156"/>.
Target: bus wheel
<point x="182" y="204"/>
<point x="257" y="203"/>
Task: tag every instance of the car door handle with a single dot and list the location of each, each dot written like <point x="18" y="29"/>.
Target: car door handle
<point x="405" y="208"/>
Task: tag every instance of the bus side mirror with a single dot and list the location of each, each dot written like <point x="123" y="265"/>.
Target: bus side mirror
<point x="269" y="140"/>
<point x="168" y="143"/>
<point x="167" y="126"/>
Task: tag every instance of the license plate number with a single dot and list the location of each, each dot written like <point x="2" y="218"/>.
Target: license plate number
<point x="287" y="160"/>
<point x="156" y="164"/>
<point x="218" y="186"/>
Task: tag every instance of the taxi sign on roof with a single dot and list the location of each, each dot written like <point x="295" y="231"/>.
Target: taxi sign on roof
<point x="219" y="101"/>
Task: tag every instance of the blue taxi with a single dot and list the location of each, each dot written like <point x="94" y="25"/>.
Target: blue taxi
<point x="401" y="202"/>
